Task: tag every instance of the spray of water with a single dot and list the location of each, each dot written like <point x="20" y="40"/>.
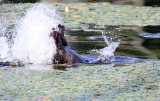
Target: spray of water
<point x="32" y="43"/>
<point x="4" y="48"/>
<point x="106" y="54"/>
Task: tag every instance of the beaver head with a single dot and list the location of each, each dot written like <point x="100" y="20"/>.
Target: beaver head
<point x="59" y="36"/>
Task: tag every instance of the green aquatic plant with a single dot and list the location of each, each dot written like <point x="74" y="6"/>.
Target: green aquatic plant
<point x="133" y="81"/>
<point x="99" y="13"/>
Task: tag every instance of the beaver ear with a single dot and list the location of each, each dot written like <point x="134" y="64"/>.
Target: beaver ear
<point x="61" y="27"/>
<point x="53" y="28"/>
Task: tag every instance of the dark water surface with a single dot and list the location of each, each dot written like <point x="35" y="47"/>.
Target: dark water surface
<point x="133" y="42"/>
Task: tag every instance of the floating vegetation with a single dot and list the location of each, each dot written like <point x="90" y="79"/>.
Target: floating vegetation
<point x="106" y="13"/>
<point x="138" y="81"/>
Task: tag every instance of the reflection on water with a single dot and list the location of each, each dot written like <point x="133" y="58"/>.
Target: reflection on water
<point x="131" y="44"/>
<point x="151" y="35"/>
<point x="152" y="29"/>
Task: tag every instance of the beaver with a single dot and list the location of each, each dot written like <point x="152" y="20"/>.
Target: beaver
<point x="65" y="54"/>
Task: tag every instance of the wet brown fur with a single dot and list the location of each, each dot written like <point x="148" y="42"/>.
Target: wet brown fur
<point x="64" y="55"/>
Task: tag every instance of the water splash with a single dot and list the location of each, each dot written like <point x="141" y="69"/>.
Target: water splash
<point x="2" y="30"/>
<point x="106" y="54"/>
<point x="32" y="43"/>
<point x="4" y="47"/>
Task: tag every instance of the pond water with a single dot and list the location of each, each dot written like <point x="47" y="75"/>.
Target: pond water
<point x="133" y="42"/>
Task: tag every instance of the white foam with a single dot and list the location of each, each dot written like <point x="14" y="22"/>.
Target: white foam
<point x="33" y="43"/>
